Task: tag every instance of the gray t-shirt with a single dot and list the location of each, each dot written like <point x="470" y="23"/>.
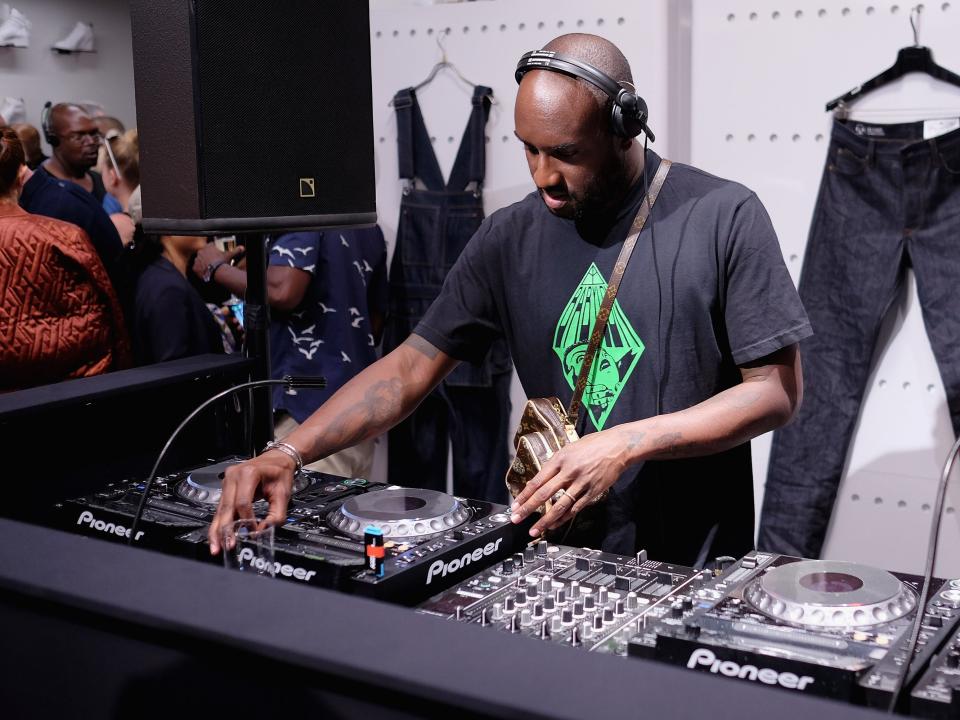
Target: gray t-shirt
<point x="725" y="299"/>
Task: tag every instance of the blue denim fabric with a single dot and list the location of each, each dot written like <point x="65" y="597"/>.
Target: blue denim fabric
<point x="888" y="200"/>
<point x="471" y="407"/>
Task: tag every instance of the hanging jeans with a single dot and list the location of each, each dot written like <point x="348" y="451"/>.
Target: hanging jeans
<point x="888" y="200"/>
<point x="471" y="408"/>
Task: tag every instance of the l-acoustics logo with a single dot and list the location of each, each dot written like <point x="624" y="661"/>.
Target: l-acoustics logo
<point x="768" y="676"/>
<point x="258" y="563"/>
<point x="308" y="187"/>
<point x="439" y="567"/>
<point x="86" y="517"/>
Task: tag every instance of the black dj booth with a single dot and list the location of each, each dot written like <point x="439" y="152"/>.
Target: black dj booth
<point x="93" y="629"/>
<point x="99" y="629"/>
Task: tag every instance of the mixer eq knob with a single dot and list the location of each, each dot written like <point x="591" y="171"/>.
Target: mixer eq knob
<point x="541" y="548"/>
<point x="514" y="624"/>
<point x="544" y="630"/>
<point x="549" y="603"/>
<point x="509" y="604"/>
<point x="633" y="602"/>
<point x="528" y="554"/>
<point x="525" y="617"/>
<point x="603" y="596"/>
<point x="566" y="617"/>
<point x="589" y="603"/>
<point x="574" y="590"/>
<point x="506" y="567"/>
<point x="484" y="617"/>
<point x="607" y="615"/>
<point x="619" y="609"/>
<point x="546" y="585"/>
<point x="578" y="609"/>
<point x="521" y="597"/>
<point x="538" y="611"/>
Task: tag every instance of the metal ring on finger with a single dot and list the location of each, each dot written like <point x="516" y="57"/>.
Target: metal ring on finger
<point x="555" y="498"/>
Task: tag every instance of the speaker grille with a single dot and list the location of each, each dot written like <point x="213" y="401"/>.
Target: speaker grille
<point x="284" y="98"/>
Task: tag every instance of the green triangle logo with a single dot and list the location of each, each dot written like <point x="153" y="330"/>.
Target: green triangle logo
<point x="617" y="356"/>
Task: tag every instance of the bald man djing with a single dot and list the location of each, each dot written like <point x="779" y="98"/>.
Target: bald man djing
<point x="699" y="355"/>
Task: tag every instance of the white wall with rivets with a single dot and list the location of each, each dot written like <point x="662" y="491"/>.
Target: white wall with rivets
<point x="484" y="40"/>
<point x="761" y="75"/>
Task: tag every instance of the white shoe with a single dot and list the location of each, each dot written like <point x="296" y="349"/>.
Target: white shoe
<point x="80" y="39"/>
<point x="12" y="111"/>
<point x="15" y="30"/>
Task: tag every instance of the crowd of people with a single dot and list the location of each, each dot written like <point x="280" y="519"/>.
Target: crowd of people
<point x="83" y="290"/>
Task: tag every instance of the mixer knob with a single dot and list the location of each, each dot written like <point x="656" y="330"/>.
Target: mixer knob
<point x="542" y="548"/>
<point x="556" y="624"/>
<point x="497" y="612"/>
<point x="607" y="615"/>
<point x="521" y="597"/>
<point x="514" y="624"/>
<point x="548" y="564"/>
<point x="578" y="609"/>
<point x="589" y="603"/>
<point x="603" y="596"/>
<point x="484" y="617"/>
<point x="574" y="590"/>
<point x="618" y="609"/>
<point x="574" y="637"/>
<point x="687" y="603"/>
<point x="549" y="604"/>
<point x="506" y="567"/>
<point x="546" y="585"/>
<point x="953" y="659"/>
<point x="533" y="588"/>
<point x="633" y="602"/>
<point x="528" y="554"/>
<point x="586" y="630"/>
<point x="676" y="610"/>
<point x="598" y="622"/>
<point x="525" y="617"/>
<point x="561" y="596"/>
<point x="723" y="562"/>
<point x="544" y="630"/>
<point x="518" y="560"/>
<point x="567" y="616"/>
<point x="538" y="612"/>
<point x="583" y="563"/>
<point x="509" y="604"/>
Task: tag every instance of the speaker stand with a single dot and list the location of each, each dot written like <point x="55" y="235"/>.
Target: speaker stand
<point x="257" y="328"/>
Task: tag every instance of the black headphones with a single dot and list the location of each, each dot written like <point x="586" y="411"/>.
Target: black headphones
<point x="628" y="117"/>
<point x="48" y="134"/>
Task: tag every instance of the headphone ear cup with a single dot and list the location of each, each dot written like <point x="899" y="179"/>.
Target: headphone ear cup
<point x="629" y="115"/>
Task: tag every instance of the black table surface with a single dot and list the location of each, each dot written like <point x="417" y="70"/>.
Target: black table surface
<point x="388" y="648"/>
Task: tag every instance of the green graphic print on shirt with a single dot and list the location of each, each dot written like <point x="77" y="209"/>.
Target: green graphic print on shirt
<point x="617" y="356"/>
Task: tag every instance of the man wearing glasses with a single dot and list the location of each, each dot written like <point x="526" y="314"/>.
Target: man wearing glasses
<point x="75" y="140"/>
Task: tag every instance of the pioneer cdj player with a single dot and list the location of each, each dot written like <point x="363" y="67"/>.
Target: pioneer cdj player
<point x="430" y="539"/>
<point x="573" y="597"/>
<point x="821" y="627"/>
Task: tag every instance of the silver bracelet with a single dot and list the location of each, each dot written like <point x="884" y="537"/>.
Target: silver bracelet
<point x="286" y="449"/>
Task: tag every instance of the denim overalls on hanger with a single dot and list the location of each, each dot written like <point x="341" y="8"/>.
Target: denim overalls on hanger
<point x="471" y="407"/>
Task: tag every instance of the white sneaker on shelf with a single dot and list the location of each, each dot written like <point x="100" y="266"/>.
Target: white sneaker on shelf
<point x="15" y="30"/>
<point x="80" y="39"/>
<point x="12" y="110"/>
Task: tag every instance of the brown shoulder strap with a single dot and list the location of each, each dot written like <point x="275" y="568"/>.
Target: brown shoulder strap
<point x="600" y="326"/>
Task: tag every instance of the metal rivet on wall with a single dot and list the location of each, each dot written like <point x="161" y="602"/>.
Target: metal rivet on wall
<point x="901" y="503"/>
<point x="621" y="21"/>
<point x="731" y="17"/>
<point x="882" y="383"/>
<point x="845" y="12"/>
<point x="798" y="14"/>
<point x="751" y="137"/>
<point x="818" y="137"/>
<point x="854" y="497"/>
<point x="869" y="9"/>
<point x="796" y="137"/>
<point x="878" y="501"/>
<point x="729" y="137"/>
<point x="821" y="12"/>
<point x="773" y="137"/>
<point x="775" y="14"/>
<point x="906" y="385"/>
<point x="753" y="16"/>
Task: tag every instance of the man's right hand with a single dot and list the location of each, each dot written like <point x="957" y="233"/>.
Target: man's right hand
<point x="268" y="476"/>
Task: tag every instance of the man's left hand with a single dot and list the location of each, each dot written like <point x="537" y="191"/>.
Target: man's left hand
<point x="582" y="470"/>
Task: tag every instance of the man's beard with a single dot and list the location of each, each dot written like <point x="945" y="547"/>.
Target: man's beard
<point x="599" y="197"/>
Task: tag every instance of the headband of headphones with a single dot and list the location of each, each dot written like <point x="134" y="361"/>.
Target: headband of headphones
<point x="629" y="116"/>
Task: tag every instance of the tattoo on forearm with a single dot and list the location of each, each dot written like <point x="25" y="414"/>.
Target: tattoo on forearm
<point x="669" y="445"/>
<point x="633" y="439"/>
<point x="382" y="401"/>
<point x="421" y="346"/>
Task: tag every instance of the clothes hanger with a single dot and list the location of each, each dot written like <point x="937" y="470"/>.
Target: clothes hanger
<point x="915" y="58"/>
<point x="444" y="64"/>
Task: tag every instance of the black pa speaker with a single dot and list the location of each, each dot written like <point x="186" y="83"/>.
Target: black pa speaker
<point x="253" y="117"/>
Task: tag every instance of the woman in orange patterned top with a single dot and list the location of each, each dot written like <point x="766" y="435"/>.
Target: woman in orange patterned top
<point x="59" y="314"/>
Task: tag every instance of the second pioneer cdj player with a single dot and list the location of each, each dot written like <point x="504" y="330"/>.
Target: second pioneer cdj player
<point x="699" y="354"/>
